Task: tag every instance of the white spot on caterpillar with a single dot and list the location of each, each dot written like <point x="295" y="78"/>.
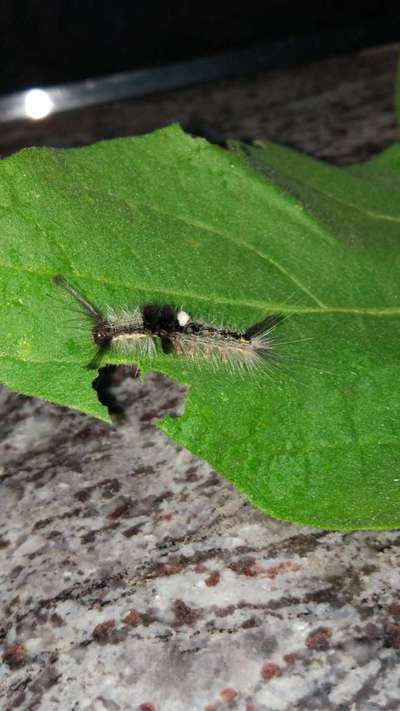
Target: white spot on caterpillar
<point x="183" y="318"/>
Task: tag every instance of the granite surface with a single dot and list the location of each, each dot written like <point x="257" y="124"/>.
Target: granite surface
<point x="132" y="576"/>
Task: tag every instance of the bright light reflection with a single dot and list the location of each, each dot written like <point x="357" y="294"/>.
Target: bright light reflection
<point x="38" y="104"/>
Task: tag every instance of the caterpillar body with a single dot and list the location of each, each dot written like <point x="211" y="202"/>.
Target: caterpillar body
<point x="141" y="330"/>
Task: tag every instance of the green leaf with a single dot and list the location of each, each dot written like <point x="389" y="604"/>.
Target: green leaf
<point x="230" y="236"/>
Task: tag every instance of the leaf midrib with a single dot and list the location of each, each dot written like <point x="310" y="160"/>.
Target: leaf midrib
<point x="389" y="311"/>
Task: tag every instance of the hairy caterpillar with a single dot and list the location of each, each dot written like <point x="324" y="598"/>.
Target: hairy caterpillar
<point x="140" y="330"/>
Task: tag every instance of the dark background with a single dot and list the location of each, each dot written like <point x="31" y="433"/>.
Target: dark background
<point x="44" y="42"/>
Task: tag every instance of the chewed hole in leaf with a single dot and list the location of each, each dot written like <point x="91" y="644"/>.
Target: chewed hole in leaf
<point x="126" y="394"/>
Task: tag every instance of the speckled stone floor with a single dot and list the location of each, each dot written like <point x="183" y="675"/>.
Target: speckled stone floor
<point x="133" y="577"/>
